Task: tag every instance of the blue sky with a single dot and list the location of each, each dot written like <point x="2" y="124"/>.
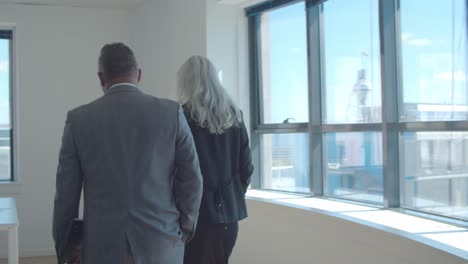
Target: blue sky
<point x="351" y="30"/>
<point x="427" y="51"/>
<point x="288" y="63"/>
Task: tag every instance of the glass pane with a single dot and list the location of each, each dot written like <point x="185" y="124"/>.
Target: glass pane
<point x="435" y="172"/>
<point x="352" y="61"/>
<point x="434" y="60"/>
<point x="5" y="124"/>
<point x="284" y="65"/>
<point x="354" y="166"/>
<point x="285" y="162"/>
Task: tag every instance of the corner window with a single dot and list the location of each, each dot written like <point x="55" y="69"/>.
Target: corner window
<point x="362" y="100"/>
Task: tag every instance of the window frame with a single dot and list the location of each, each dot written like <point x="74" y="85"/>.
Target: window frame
<point x="10" y="29"/>
<point x="391" y="127"/>
<point x="256" y="103"/>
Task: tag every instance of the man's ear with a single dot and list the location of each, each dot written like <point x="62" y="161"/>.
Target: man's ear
<point x="101" y="79"/>
<point x="139" y="75"/>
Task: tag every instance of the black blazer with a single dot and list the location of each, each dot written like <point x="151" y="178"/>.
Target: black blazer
<point x="226" y="166"/>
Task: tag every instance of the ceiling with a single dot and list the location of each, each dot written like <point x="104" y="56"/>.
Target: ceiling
<point x="77" y="3"/>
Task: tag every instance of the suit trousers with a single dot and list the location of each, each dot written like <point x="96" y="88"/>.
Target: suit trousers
<point x="211" y="244"/>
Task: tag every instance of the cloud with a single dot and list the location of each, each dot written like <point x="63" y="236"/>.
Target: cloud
<point x="420" y="42"/>
<point x="406" y="36"/>
<point x="3" y="66"/>
<point x="447" y="76"/>
<point x="414" y="41"/>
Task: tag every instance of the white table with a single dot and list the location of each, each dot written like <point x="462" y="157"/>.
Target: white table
<point x="9" y="222"/>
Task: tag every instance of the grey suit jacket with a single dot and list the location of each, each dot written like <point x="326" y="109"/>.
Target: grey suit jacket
<point x="135" y="158"/>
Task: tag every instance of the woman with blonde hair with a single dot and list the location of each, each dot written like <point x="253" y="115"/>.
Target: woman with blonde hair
<point x="225" y="160"/>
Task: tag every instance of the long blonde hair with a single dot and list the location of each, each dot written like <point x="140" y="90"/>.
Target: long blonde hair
<point x="200" y="90"/>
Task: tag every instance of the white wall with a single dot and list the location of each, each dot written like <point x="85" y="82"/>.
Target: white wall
<point x="227" y="48"/>
<point x="57" y="61"/>
<point x="279" y="234"/>
<point x="57" y="56"/>
<point x="165" y="34"/>
<point x="222" y="44"/>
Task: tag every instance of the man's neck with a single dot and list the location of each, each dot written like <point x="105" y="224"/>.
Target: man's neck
<point x="119" y="81"/>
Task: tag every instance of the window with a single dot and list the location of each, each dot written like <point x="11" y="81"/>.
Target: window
<point x="434" y="159"/>
<point x="434" y="63"/>
<point x="284" y="65"/>
<point x="362" y="100"/>
<point x="435" y="172"/>
<point x="352" y="62"/>
<point x="354" y="166"/>
<point x="6" y="132"/>
<point x="285" y="162"/>
<point x="352" y="95"/>
<point x="283" y="113"/>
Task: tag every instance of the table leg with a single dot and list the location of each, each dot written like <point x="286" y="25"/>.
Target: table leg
<point x="13" y="254"/>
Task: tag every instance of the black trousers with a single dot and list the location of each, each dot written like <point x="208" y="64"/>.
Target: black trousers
<point x="211" y="244"/>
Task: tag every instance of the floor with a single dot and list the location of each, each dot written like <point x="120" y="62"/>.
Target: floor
<point x="35" y="260"/>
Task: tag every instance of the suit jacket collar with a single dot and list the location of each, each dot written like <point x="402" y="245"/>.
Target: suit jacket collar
<point x="122" y="88"/>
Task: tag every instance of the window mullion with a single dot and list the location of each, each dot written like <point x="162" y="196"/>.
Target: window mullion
<point x="255" y="79"/>
<point x="434" y="126"/>
<point x="389" y="39"/>
<point x="315" y="74"/>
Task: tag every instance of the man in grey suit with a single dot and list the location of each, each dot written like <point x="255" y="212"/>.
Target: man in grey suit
<point x="135" y="158"/>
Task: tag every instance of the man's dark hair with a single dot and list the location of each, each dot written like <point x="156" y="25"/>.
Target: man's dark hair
<point x="117" y="60"/>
